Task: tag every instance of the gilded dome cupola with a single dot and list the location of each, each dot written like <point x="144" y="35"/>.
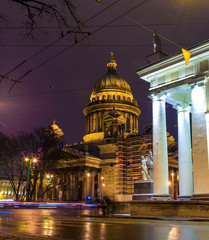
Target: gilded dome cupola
<point x="111" y="92"/>
<point x="111" y="80"/>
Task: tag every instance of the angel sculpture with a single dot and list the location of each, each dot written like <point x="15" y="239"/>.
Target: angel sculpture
<point x="150" y="164"/>
<point x="144" y="169"/>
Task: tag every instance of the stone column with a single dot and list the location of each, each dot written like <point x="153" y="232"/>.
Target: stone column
<point x="137" y="127"/>
<point x="96" y="122"/>
<point x="68" y="187"/>
<point x="102" y="121"/>
<point x="92" y="122"/>
<point x="99" y="185"/>
<point x="89" y="127"/>
<point x="87" y="124"/>
<point x="184" y="153"/>
<point x="92" y="185"/>
<point x="199" y="141"/>
<point x="131" y="122"/>
<point x="88" y="184"/>
<point x="84" y="186"/>
<point x="160" y="152"/>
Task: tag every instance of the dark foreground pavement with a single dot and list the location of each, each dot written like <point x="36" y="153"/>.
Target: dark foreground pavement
<point x="89" y="224"/>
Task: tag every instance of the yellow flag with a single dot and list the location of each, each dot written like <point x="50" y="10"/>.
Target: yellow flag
<point x="186" y="56"/>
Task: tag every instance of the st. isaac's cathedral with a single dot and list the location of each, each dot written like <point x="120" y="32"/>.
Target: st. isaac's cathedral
<point x="108" y="162"/>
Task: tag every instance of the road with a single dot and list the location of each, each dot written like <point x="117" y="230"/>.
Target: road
<point x="64" y="224"/>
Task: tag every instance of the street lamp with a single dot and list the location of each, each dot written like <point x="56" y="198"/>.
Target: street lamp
<point x="28" y="159"/>
<point x="49" y="178"/>
<point x="102" y="178"/>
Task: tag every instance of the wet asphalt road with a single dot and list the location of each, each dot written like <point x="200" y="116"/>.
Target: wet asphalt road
<point x="64" y="224"/>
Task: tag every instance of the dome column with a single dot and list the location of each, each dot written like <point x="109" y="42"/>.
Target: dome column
<point x="87" y="124"/>
<point x="92" y="123"/>
<point x="131" y="122"/>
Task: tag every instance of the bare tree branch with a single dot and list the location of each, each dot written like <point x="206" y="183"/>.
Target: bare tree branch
<point x="64" y="12"/>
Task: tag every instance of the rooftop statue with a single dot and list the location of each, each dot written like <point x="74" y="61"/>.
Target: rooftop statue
<point x="56" y="130"/>
<point x="156" y="43"/>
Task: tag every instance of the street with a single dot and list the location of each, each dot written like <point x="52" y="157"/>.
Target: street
<point x="66" y="224"/>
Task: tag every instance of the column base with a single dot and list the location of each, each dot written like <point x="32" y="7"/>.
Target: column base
<point x="161" y="197"/>
<point x="200" y="196"/>
<point x="184" y="197"/>
<point x="143" y="197"/>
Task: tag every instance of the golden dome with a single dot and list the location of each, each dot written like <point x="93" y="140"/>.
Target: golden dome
<point x="111" y="80"/>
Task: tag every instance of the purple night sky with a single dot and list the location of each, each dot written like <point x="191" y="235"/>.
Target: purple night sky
<point x="75" y="72"/>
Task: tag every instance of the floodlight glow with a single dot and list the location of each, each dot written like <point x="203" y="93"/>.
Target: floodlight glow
<point x="179" y="108"/>
<point x="198" y="99"/>
<point x="163" y="97"/>
<point x="155" y="98"/>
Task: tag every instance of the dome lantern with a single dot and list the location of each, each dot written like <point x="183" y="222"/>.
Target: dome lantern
<point x="111" y="65"/>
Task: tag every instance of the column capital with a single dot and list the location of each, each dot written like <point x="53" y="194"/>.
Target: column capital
<point x="198" y="84"/>
<point x="159" y="96"/>
<point x="184" y="107"/>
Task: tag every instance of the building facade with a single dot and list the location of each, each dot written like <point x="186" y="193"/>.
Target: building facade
<point x="186" y="88"/>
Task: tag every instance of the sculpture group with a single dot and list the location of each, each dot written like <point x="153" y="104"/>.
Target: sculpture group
<point x="147" y="167"/>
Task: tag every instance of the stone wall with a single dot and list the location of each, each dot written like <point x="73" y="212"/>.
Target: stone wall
<point x="169" y="208"/>
<point x="119" y="208"/>
<point x="109" y="174"/>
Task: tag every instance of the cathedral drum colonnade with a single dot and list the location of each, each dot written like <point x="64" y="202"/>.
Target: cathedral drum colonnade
<point x="186" y="88"/>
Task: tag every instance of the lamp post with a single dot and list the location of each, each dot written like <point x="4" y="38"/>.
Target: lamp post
<point x="28" y="159"/>
<point x="102" y="178"/>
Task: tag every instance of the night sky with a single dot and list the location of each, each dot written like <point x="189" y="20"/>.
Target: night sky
<point x="74" y="72"/>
